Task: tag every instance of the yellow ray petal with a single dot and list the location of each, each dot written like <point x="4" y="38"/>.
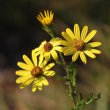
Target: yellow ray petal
<point x="40" y="88"/>
<point x="40" y="85"/>
<point x="70" y="33"/>
<point x="22" y="79"/>
<point x="25" y="66"/>
<point x="49" y="73"/>
<point x="55" y="43"/>
<point x="40" y="59"/>
<point x="65" y="43"/>
<point x="66" y="36"/>
<point x="89" y="53"/>
<point x="68" y="51"/>
<point x="39" y="18"/>
<point x="77" y="31"/>
<point x="39" y="52"/>
<point x="43" y="43"/>
<point x="44" y="62"/>
<point x="49" y="66"/>
<point x="83" y="57"/>
<point x="51" y="14"/>
<point x="47" y="54"/>
<point x="36" y="49"/>
<point x="75" y="56"/>
<point x="45" y="13"/>
<point x="45" y="82"/>
<point x="90" y="36"/>
<point x="26" y="83"/>
<point x="93" y="44"/>
<point x="54" y="54"/>
<point x="84" y="32"/>
<point x="27" y="60"/>
<point x="23" y="73"/>
<point x="41" y="46"/>
<point x="34" y="58"/>
<point x="41" y="15"/>
<point x="34" y="86"/>
<point x="58" y="48"/>
<point x="55" y="39"/>
<point x="95" y="51"/>
<point x="36" y="83"/>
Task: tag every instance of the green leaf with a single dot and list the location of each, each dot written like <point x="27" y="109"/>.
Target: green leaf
<point x="81" y="102"/>
<point x="92" y="98"/>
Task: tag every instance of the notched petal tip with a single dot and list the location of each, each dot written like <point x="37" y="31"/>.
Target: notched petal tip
<point x="85" y="62"/>
<point x="76" y="24"/>
<point x="34" y="90"/>
<point x="17" y="81"/>
<point x="40" y="88"/>
<point x="90" y="36"/>
<point x="24" y="56"/>
<point x="18" y="63"/>
<point x="62" y="33"/>
<point x="16" y="72"/>
<point x="45" y="83"/>
<point x="68" y="29"/>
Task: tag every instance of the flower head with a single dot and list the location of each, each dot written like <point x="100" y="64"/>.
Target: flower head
<point x="45" y="18"/>
<point x="34" y="71"/>
<point x="48" y="49"/>
<point x="78" y="43"/>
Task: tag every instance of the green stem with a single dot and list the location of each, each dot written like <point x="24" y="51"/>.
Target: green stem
<point x="68" y="77"/>
<point x="50" y="32"/>
<point x="61" y="56"/>
<point x="73" y="93"/>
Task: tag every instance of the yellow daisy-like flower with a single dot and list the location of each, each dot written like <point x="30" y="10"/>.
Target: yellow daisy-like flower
<point x="78" y="43"/>
<point x="34" y="71"/>
<point x="47" y="49"/>
<point x="45" y="18"/>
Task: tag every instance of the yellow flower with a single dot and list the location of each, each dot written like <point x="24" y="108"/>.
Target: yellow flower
<point x="34" y="71"/>
<point x="78" y="43"/>
<point x="45" y="18"/>
<point x="47" y="49"/>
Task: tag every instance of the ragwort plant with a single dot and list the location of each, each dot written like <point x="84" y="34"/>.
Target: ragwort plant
<point x="74" y="43"/>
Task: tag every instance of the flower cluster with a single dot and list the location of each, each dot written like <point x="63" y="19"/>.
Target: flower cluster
<point x="74" y="43"/>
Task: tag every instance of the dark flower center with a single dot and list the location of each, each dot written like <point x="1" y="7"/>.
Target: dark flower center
<point x="37" y="71"/>
<point x="79" y="45"/>
<point x="48" y="47"/>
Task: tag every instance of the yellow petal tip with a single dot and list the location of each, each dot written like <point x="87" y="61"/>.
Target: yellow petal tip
<point x="18" y="63"/>
<point x="62" y="33"/>
<point x="24" y="56"/>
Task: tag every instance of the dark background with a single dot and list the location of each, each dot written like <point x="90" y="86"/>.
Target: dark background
<point x="20" y="32"/>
